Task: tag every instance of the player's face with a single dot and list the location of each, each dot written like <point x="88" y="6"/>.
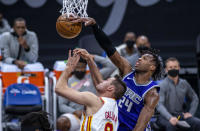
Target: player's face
<point x="20" y="27"/>
<point x="105" y="84"/>
<point x="144" y="63"/>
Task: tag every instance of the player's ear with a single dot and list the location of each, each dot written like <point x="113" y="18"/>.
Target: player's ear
<point x="152" y="67"/>
<point x="110" y="88"/>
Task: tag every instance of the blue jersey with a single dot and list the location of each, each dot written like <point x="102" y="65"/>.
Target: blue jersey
<point x="131" y="104"/>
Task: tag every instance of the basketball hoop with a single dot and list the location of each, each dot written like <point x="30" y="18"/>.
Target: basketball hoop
<point x="75" y="8"/>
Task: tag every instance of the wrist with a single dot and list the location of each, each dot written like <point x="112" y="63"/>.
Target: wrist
<point x="90" y="58"/>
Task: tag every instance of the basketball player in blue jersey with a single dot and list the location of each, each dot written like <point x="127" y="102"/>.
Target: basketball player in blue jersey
<point x="137" y="105"/>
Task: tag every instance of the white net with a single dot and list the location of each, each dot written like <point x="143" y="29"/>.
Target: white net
<point x="75" y="8"/>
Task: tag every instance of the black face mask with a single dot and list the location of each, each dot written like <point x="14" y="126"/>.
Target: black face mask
<point x="142" y="48"/>
<point x="79" y="74"/>
<point x="173" y="73"/>
<point x="130" y="43"/>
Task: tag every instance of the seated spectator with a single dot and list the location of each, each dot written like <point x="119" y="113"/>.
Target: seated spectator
<point x="20" y="45"/>
<point x="142" y="43"/>
<point x="173" y="92"/>
<point x="4" y="26"/>
<point x="129" y="42"/>
<point x="68" y="122"/>
<point x="83" y="82"/>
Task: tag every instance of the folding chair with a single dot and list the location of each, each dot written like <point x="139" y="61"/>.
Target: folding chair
<point x="32" y="73"/>
<point x="20" y="99"/>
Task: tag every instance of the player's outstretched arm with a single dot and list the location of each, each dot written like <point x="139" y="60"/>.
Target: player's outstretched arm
<point x="151" y="100"/>
<point x="83" y="98"/>
<point x="96" y="75"/>
<point x="107" y="45"/>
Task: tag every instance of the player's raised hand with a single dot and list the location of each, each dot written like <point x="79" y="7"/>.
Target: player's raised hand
<point x="83" y="53"/>
<point x="88" y="21"/>
<point x="72" y="61"/>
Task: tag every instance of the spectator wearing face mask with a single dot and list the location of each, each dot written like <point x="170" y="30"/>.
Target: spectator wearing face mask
<point x="83" y="82"/>
<point x="129" y="42"/>
<point x="173" y="92"/>
<point x="4" y="26"/>
<point x="142" y="43"/>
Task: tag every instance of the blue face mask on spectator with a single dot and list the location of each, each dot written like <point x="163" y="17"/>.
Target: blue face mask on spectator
<point x="173" y="72"/>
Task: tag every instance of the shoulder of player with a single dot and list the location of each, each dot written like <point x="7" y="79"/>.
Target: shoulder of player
<point x="151" y="97"/>
<point x="128" y="75"/>
<point x="91" y="98"/>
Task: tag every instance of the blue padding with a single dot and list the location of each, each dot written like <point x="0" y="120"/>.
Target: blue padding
<point x="22" y="94"/>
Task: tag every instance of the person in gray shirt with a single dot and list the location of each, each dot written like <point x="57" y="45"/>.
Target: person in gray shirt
<point x="83" y="82"/>
<point x="173" y="92"/>
<point x="20" y="45"/>
<point x="4" y="26"/>
<point x="129" y="41"/>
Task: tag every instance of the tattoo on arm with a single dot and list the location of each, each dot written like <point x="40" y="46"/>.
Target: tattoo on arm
<point x="151" y="99"/>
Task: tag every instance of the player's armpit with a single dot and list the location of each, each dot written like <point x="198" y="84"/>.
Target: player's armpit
<point x="151" y="100"/>
<point x="123" y="65"/>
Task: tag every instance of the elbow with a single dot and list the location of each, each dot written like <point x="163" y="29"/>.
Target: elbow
<point x="57" y="90"/>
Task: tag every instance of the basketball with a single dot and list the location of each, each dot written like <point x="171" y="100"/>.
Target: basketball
<point x="67" y="29"/>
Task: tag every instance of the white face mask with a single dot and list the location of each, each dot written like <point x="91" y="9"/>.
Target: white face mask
<point x="75" y="122"/>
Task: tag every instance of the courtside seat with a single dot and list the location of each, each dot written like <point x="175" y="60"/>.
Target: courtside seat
<point x="33" y="74"/>
<point x="20" y="99"/>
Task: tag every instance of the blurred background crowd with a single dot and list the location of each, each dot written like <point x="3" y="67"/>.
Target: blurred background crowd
<point x="32" y="52"/>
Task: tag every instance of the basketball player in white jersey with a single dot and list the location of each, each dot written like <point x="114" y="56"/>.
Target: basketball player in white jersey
<point x="101" y="112"/>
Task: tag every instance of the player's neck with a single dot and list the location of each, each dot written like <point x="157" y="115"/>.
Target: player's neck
<point x="142" y="78"/>
<point x="105" y="94"/>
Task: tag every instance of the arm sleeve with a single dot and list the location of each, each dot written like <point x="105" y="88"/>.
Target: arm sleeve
<point x="160" y="107"/>
<point x="103" y="40"/>
<point x="63" y="105"/>
<point x="193" y="97"/>
<point x="108" y="67"/>
<point x="32" y="54"/>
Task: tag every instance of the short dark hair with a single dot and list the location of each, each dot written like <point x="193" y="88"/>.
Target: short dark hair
<point x="158" y="63"/>
<point x="36" y="120"/>
<point x="19" y="19"/>
<point x="120" y="87"/>
<point x="171" y="59"/>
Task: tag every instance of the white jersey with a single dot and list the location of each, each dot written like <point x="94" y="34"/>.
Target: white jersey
<point x="106" y="118"/>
